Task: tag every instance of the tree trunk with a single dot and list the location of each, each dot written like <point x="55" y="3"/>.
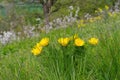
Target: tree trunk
<point x="46" y="9"/>
<point x="46" y="13"/>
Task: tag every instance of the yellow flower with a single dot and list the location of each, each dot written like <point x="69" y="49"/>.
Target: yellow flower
<point x="64" y="41"/>
<point x="37" y="45"/>
<point x="81" y="23"/>
<point x="93" y="41"/>
<point x="115" y="14"/>
<point x="110" y="14"/>
<point x="79" y="42"/>
<point x="100" y="10"/>
<point x="36" y="51"/>
<point x="106" y="7"/>
<point x="91" y="20"/>
<point x="96" y="11"/>
<point x="44" y="42"/>
<point x="97" y="18"/>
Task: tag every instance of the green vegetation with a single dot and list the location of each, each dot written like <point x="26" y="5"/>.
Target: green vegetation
<point x="30" y="11"/>
<point x="99" y="62"/>
<point x="25" y="12"/>
<point x="86" y="6"/>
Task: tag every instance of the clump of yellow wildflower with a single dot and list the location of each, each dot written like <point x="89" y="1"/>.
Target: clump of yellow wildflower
<point x="93" y="41"/>
<point x="96" y="11"/>
<point x="39" y="46"/>
<point x="106" y="7"/>
<point x="112" y="14"/>
<point x="81" y="23"/>
<point x="100" y="10"/>
<point x="97" y="18"/>
<point x="37" y="50"/>
<point x="44" y="42"/>
<point x="79" y="42"/>
<point x="91" y="20"/>
<point x="64" y="41"/>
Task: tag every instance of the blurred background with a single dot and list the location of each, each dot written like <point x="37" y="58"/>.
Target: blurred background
<point x="27" y="18"/>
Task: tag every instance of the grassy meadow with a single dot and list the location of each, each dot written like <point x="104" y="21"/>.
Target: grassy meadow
<point x="100" y="61"/>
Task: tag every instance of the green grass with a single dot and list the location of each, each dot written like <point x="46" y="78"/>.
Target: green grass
<point x="100" y="62"/>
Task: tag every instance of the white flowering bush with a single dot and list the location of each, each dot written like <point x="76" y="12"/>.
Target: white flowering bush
<point x="8" y="36"/>
<point x="62" y="22"/>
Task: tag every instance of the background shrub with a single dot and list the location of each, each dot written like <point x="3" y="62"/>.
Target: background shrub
<point x="86" y="6"/>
